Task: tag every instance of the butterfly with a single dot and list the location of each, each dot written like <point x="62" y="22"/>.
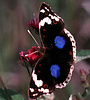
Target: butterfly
<point x="54" y="69"/>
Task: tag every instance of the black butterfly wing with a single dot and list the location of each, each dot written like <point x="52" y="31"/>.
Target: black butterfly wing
<point x="41" y="82"/>
<point x="59" y="43"/>
<point x="49" y="73"/>
<point x="50" y="25"/>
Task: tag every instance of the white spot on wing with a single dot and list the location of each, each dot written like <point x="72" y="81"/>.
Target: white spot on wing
<point x="31" y="89"/>
<point x="54" y="17"/>
<point x="43" y="90"/>
<point x="45" y="20"/>
<point x="43" y="11"/>
<point x="46" y="8"/>
<point x="38" y="83"/>
<point x="35" y="94"/>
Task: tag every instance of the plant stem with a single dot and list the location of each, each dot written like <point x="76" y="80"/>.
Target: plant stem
<point x="4" y="87"/>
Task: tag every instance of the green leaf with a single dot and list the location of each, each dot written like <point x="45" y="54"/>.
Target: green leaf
<point x="13" y="94"/>
<point x="83" y="54"/>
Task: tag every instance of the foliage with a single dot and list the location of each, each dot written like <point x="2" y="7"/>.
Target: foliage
<point x="83" y="54"/>
<point x="13" y="95"/>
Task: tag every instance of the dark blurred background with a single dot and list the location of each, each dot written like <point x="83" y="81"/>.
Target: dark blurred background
<point x="14" y="14"/>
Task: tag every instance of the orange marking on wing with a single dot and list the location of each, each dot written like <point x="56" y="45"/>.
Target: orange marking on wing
<point x="39" y="71"/>
<point x="40" y="65"/>
<point x="44" y="36"/>
<point x="44" y="29"/>
<point x="70" y="53"/>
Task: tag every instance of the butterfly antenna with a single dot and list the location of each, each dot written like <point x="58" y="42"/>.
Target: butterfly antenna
<point x="33" y="37"/>
<point x="31" y="53"/>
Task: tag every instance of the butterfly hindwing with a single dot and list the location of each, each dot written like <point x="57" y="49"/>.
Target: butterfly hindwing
<point x="41" y="80"/>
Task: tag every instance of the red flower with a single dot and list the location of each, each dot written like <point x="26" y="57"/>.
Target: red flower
<point x="34" y="23"/>
<point x="31" y="56"/>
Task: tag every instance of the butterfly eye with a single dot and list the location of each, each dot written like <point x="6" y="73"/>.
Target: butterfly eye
<point x="54" y="22"/>
<point x="45" y="86"/>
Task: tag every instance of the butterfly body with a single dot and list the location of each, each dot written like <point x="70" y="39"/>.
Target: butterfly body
<point x="54" y="68"/>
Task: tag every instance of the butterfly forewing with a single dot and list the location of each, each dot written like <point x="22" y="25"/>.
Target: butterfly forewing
<point x="49" y="24"/>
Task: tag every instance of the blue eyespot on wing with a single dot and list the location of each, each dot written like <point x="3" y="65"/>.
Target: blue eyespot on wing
<point x="55" y="70"/>
<point x="59" y="42"/>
